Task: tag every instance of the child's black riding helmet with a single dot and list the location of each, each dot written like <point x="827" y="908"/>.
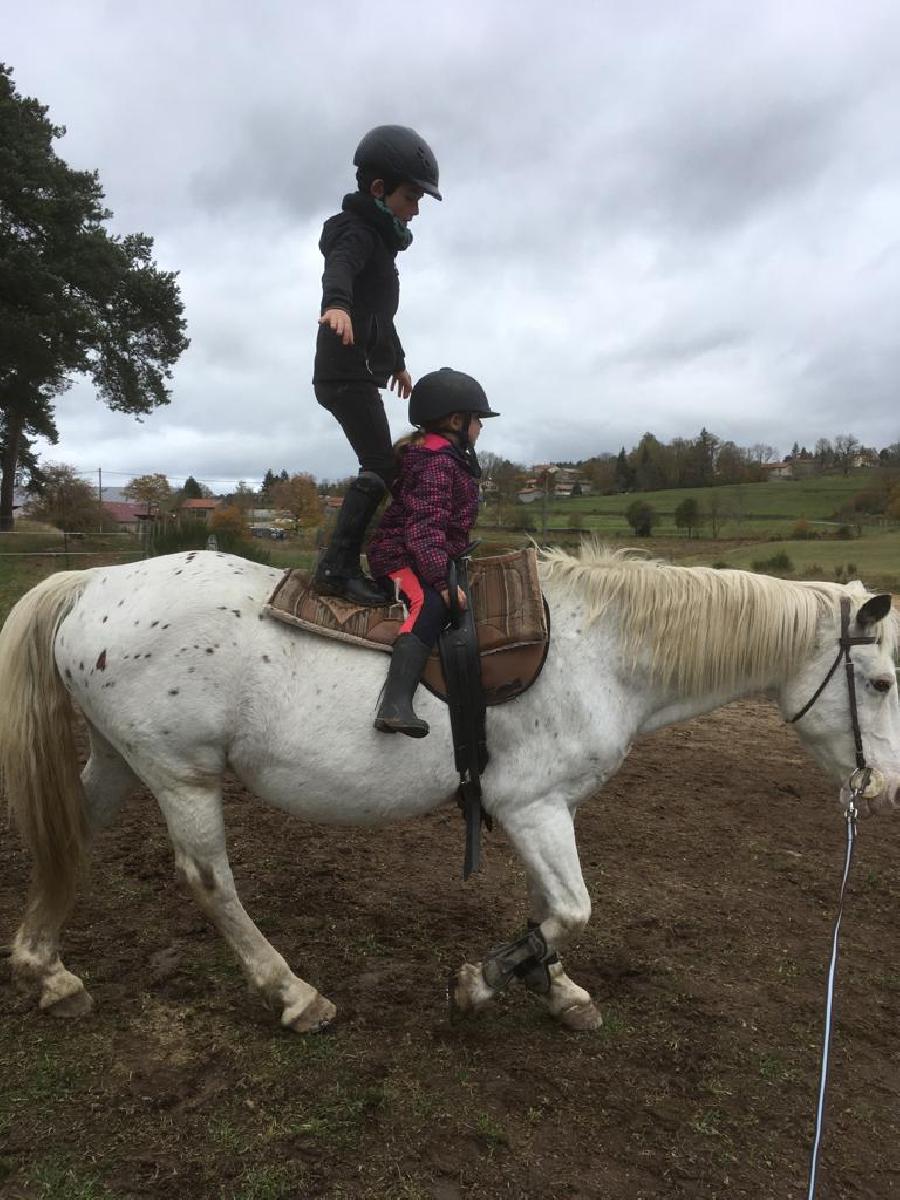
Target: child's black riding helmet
<point x="440" y="393"/>
<point x="399" y="152"/>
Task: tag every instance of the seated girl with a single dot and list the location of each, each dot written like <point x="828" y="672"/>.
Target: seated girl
<point x="432" y="511"/>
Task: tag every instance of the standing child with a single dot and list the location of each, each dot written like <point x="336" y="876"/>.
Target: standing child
<point x="357" y="349"/>
<point x="433" y="508"/>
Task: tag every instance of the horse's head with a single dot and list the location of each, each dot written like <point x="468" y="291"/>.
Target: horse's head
<point x="850" y="715"/>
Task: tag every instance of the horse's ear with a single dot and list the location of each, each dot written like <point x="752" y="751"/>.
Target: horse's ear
<point x="874" y="610"/>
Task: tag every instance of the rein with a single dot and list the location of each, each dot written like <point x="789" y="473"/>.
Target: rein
<point x="858" y="784"/>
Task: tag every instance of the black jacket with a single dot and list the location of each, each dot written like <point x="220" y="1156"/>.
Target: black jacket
<point x="360" y="246"/>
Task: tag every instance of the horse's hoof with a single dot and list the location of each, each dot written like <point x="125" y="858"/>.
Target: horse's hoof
<point x="76" y="1004"/>
<point x="581" y="1018"/>
<point x="316" y="1016"/>
<point x="466" y="990"/>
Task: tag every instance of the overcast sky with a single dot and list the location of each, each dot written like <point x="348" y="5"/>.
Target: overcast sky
<point x="656" y="216"/>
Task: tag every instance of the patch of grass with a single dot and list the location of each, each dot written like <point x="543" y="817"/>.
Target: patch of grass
<point x="268" y="1183"/>
<point x="59" y="1181"/>
<point x="774" y="1069"/>
<point x="293" y="1050"/>
<point x="490" y="1130"/>
<point x="225" y="1135"/>
<point x="708" y="1122"/>
<point x="339" y="1120"/>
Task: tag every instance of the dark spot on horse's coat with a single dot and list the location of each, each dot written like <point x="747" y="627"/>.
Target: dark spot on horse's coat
<point x="196" y="645"/>
<point x="191" y="557"/>
<point x="119" y="605"/>
<point x="101" y="661"/>
<point x="266" y="658"/>
<point x="147" y="655"/>
<point x="191" y="670"/>
<point x="153" y="624"/>
<point x="223" y="607"/>
<point x="165" y="626"/>
<point x="164" y="732"/>
<point x="209" y="650"/>
<point x="110" y="683"/>
<point x="207" y="878"/>
<point x="137" y="622"/>
<point x="81" y="666"/>
<point x="105" y="619"/>
<point x="174" y="691"/>
<point x="236" y="611"/>
<point x="68" y="673"/>
<point x="178" y="572"/>
<point x="537" y="723"/>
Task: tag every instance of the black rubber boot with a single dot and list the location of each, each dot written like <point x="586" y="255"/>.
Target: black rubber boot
<point x="395" y="713"/>
<point x="339" y="572"/>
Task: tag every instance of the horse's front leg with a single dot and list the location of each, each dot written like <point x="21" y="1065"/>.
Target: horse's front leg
<point x="544" y="837"/>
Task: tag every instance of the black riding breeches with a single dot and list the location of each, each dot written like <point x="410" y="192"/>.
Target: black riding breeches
<point x="359" y="410"/>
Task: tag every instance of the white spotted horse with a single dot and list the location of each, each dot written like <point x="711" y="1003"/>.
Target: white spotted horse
<point x="179" y="677"/>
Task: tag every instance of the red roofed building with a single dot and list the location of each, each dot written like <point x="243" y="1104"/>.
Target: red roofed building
<point x="198" y="510"/>
<point x="128" y="515"/>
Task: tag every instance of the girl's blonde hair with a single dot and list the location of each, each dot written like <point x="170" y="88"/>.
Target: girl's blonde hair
<point x="416" y="436"/>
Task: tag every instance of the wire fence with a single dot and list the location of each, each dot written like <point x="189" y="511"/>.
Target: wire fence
<point x="68" y="546"/>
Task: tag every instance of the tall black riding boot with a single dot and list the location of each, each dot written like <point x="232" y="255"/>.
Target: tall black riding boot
<point x="395" y="713"/>
<point x="339" y="572"/>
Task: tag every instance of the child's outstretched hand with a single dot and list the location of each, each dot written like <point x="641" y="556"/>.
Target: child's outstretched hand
<point x="460" y="596"/>
<point x="338" y="322"/>
<point x="402" y="380"/>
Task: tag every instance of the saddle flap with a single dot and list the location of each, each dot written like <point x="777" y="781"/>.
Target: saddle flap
<point x="510" y="615"/>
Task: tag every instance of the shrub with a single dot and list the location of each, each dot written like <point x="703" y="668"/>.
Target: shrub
<point x="803" y="531"/>
<point x="195" y="535"/>
<point x="844" y="533"/>
<point x="641" y="516"/>
<point x="778" y="564"/>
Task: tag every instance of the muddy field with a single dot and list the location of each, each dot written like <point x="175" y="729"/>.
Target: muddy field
<point x="713" y="862"/>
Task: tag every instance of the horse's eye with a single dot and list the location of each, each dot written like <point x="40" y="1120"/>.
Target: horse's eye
<point x="883" y="684"/>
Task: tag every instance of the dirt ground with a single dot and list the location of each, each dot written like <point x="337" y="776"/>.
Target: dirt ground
<point x="713" y="861"/>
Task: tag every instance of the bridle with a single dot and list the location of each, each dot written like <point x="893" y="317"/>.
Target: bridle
<point x="845" y="642"/>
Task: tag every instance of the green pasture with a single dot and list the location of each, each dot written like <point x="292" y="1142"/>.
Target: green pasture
<point x="756" y="510"/>
<point x="874" y="558"/>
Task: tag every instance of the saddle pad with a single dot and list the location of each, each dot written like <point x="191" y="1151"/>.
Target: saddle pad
<point x="510" y="617"/>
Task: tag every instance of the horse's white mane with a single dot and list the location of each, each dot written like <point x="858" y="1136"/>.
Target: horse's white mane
<point x="697" y="628"/>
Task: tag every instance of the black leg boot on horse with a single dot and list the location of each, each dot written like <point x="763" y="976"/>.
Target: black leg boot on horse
<point x="339" y="572"/>
<point x="395" y="713"/>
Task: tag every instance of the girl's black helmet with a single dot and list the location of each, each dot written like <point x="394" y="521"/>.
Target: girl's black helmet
<point x="440" y="393"/>
<point x="399" y="153"/>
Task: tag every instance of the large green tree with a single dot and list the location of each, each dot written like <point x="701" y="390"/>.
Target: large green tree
<point x="74" y="298"/>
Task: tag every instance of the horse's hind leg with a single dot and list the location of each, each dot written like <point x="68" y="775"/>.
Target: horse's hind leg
<point x="194" y="818"/>
<point x="545" y="841"/>
<point x="107" y="780"/>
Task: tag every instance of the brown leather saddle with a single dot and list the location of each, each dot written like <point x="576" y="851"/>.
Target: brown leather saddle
<point x="511" y="618"/>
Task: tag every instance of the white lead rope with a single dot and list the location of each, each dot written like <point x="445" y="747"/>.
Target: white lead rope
<point x="829" y="1001"/>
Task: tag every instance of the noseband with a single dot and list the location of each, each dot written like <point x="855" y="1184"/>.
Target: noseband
<point x="844" y="644"/>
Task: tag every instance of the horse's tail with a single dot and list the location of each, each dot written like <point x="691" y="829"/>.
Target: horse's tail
<point x="38" y="760"/>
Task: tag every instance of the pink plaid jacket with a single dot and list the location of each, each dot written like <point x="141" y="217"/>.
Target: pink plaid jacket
<point x="433" y="508"/>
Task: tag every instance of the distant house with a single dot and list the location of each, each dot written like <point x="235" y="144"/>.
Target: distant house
<point x="128" y="515"/>
<point x="779" y="470"/>
<point x="567" y="481"/>
<point x="198" y="510"/>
